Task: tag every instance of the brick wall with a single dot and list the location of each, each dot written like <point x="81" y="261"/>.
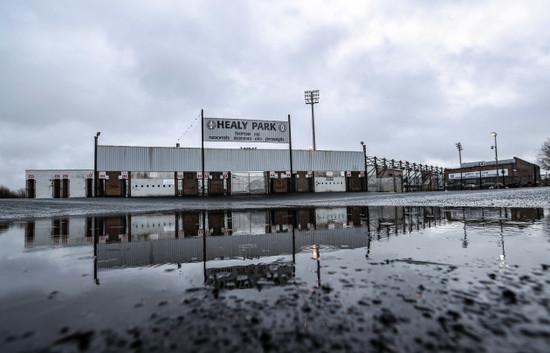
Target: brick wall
<point x="303" y="184"/>
<point x="190" y="186"/>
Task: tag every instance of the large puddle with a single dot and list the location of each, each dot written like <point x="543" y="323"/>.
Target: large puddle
<point x="414" y="271"/>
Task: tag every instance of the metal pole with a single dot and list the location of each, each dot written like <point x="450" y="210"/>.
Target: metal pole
<point x="496" y="158"/>
<point x="365" y="160"/>
<point x="313" y="122"/>
<point x="312" y="97"/>
<point x="290" y="154"/>
<point x="94" y="222"/>
<point x="95" y="162"/>
<point x="202" y="148"/>
<point x="95" y="166"/>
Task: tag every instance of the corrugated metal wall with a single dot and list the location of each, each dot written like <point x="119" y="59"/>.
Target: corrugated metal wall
<point x="245" y="160"/>
<point x="319" y="161"/>
<point x="164" y="159"/>
<point x="148" y="159"/>
<point x="189" y="250"/>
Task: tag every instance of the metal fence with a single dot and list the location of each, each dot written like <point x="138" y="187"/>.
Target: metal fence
<point x="402" y="176"/>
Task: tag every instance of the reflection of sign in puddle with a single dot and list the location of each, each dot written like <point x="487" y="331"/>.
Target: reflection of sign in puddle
<point x="323" y="248"/>
<point x="240" y="277"/>
<point x="244" y="249"/>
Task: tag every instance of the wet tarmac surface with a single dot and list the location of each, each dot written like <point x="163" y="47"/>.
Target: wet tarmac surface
<point x="330" y="279"/>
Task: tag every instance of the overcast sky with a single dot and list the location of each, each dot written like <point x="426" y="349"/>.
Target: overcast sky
<point x="410" y="78"/>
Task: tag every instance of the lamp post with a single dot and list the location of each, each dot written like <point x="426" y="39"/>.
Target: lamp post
<point x="312" y="97"/>
<point x="366" y="172"/>
<point x="495" y="147"/>
<point x="95" y="162"/>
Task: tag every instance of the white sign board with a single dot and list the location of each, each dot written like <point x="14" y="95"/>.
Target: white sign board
<point x="484" y="174"/>
<point x="240" y="130"/>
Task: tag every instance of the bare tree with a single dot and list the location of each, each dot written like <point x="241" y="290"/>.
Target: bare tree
<point x="7" y="193"/>
<point x="544" y="155"/>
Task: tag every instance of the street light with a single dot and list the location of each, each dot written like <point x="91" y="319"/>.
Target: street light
<point x="495" y="147"/>
<point x="312" y="97"/>
<point x="365" y="159"/>
<point x="95" y="162"/>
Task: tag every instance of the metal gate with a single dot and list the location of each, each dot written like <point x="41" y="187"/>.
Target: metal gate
<point x="248" y="183"/>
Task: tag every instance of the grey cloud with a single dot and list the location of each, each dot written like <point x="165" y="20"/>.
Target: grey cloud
<point x="141" y="71"/>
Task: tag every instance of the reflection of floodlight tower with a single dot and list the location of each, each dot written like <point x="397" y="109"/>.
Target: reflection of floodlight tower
<point x="317" y="256"/>
<point x="465" y="239"/>
<point x="312" y="97"/>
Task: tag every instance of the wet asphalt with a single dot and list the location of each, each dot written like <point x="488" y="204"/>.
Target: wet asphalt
<point x="399" y="305"/>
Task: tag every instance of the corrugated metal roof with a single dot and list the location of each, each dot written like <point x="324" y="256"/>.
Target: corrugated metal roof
<point x="484" y="163"/>
<point x="147" y="159"/>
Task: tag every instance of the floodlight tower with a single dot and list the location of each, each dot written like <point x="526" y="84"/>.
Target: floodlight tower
<point x="312" y="97"/>
<point x="459" y="147"/>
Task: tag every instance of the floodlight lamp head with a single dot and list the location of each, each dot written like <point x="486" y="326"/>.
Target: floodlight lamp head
<point x="98" y="133"/>
<point x="493" y="133"/>
<point x="311" y="97"/>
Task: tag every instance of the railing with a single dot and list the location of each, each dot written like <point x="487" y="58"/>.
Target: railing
<point x="406" y="176"/>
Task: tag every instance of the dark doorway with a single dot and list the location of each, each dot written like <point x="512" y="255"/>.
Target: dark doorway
<point x="31" y="188"/>
<point x="66" y="188"/>
<point x="101" y="188"/>
<point x="123" y="188"/>
<point x="89" y="187"/>
<point x="56" y="188"/>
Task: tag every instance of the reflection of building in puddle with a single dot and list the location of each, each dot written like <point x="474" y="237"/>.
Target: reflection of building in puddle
<point x="194" y="249"/>
<point x="249" y="222"/>
<point x="64" y="231"/>
<point x="510" y="216"/>
<point x="340" y="227"/>
<point x="189" y="237"/>
<point x="153" y="227"/>
<point x="331" y="218"/>
<point x="251" y="276"/>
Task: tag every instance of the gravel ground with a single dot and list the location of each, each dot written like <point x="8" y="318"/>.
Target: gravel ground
<point x="21" y="209"/>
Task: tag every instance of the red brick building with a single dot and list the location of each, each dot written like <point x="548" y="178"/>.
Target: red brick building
<point x="514" y="172"/>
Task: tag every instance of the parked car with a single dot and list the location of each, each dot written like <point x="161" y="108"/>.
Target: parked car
<point x="454" y="186"/>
